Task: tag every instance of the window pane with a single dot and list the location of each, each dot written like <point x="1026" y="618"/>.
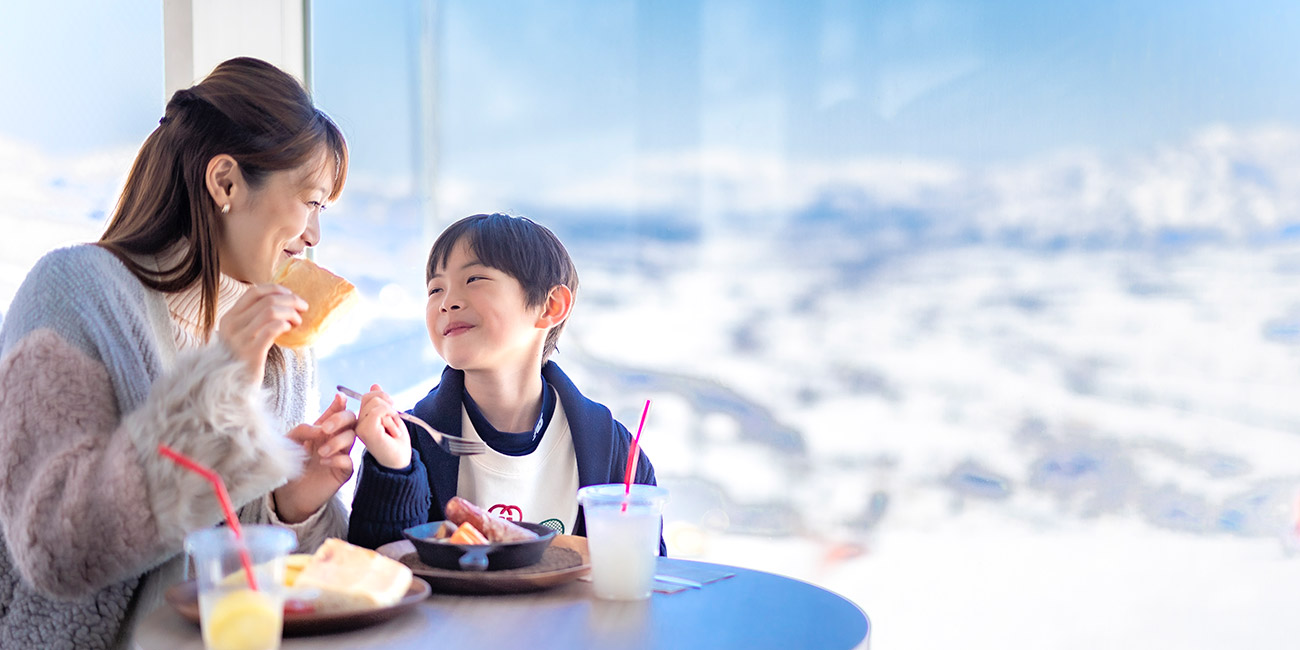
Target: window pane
<point x="957" y="309"/>
<point x="75" y="110"/>
<point x="365" y="67"/>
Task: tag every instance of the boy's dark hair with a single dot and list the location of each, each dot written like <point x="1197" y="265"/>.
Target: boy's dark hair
<point x="518" y="246"/>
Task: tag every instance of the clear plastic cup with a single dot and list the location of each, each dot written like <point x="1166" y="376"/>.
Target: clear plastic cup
<point x="231" y="615"/>
<point x="623" y="543"/>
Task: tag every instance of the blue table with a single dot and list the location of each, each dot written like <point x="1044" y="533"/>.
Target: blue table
<point x="751" y="610"/>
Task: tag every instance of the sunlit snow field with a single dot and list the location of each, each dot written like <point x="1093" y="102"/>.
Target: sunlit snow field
<point x="987" y="428"/>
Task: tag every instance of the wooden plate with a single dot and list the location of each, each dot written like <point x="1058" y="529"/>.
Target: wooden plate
<point x="184" y="598"/>
<point x="565" y="560"/>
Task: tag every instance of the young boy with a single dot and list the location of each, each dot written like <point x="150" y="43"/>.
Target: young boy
<point x="500" y="291"/>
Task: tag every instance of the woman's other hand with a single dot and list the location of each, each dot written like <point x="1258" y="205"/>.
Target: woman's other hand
<point x="381" y="432"/>
<point x="328" y="443"/>
<point x="263" y="313"/>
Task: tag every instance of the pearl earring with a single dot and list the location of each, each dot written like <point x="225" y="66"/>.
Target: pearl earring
<point x="225" y="209"/>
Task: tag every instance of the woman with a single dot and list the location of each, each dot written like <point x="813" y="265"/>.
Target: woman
<point x="162" y="332"/>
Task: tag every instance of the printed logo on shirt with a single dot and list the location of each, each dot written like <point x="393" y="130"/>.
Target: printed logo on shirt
<point x="555" y="525"/>
<point x="513" y="513"/>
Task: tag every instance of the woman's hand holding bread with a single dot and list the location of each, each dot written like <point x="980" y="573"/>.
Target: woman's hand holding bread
<point x="293" y="312"/>
<point x="263" y="313"/>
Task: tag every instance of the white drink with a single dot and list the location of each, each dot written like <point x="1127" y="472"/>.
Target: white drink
<point x="624" y="549"/>
<point x="622" y="538"/>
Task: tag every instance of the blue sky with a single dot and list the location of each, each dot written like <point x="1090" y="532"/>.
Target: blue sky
<point x="556" y="83"/>
<point x="80" y="75"/>
<point x="818" y="80"/>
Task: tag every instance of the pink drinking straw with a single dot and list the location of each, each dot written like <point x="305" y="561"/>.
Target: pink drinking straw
<point x="1297" y="521"/>
<point x="223" y="497"/>
<point x="632" y="457"/>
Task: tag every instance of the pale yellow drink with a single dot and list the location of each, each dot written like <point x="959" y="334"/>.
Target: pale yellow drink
<point x="232" y="615"/>
<point x="241" y="619"/>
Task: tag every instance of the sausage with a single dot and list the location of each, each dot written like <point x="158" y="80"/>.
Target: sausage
<point x="493" y="527"/>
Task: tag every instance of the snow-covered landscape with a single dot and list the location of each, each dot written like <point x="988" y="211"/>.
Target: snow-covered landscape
<point x="1043" y="404"/>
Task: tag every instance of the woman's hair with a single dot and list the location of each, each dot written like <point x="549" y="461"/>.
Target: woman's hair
<point x="517" y="246"/>
<point x="246" y="108"/>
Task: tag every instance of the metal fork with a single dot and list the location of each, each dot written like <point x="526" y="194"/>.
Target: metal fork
<point x="454" y="445"/>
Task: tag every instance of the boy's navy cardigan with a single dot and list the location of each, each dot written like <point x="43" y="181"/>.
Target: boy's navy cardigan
<point x="389" y="501"/>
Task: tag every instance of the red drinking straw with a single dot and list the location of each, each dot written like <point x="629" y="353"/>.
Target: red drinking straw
<point x="223" y="497"/>
<point x="632" y="457"/>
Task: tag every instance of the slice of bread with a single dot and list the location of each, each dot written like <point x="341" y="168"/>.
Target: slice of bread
<point x="353" y="578"/>
<point x="327" y="297"/>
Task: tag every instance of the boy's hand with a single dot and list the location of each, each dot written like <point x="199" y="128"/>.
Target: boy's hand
<point x="380" y="430"/>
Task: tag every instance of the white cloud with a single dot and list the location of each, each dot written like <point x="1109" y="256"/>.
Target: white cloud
<point x="1235" y="182"/>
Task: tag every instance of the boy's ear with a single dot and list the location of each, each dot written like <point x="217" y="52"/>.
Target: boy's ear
<point x="559" y="302"/>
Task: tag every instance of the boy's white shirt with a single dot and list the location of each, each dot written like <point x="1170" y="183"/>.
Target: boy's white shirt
<point x="534" y="488"/>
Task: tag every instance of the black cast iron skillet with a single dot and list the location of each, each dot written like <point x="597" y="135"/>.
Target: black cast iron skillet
<point x="478" y="557"/>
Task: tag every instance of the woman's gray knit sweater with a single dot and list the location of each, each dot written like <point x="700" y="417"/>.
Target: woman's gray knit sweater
<point x="91" y="518"/>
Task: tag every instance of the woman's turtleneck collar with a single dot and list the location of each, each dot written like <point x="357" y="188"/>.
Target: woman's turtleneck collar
<point x="186" y="306"/>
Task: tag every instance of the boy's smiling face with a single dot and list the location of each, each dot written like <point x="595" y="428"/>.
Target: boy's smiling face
<point x="478" y="318"/>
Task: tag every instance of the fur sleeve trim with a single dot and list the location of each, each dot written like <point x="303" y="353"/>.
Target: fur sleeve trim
<point x="206" y="409"/>
<point x="85" y="499"/>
